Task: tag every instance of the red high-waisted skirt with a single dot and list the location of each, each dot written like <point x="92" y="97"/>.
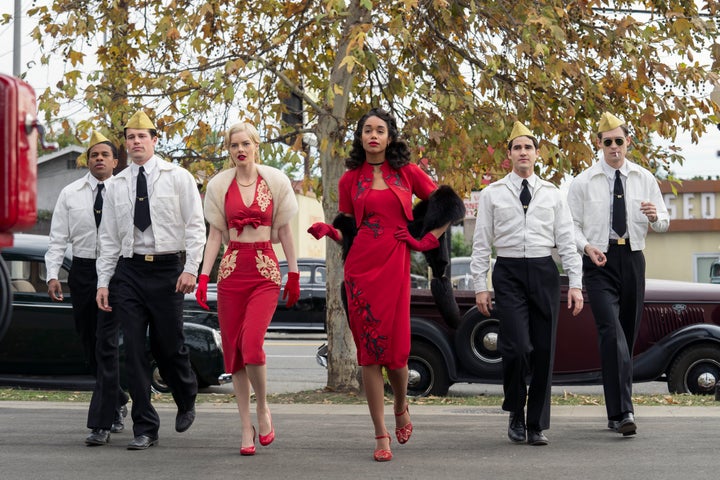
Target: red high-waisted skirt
<point x="248" y="288"/>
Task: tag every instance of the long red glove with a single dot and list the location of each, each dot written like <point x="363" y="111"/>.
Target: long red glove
<point x="201" y="292"/>
<point x="320" y="229"/>
<point x="428" y="242"/>
<point x="292" y="289"/>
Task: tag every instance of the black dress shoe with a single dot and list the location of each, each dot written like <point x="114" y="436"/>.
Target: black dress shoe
<point x="119" y="422"/>
<point x="536" y="437"/>
<point x="183" y="420"/>
<point x="141" y="442"/>
<point x="626" y="425"/>
<point x="613" y="424"/>
<point x="98" y="436"/>
<point x="516" y="427"/>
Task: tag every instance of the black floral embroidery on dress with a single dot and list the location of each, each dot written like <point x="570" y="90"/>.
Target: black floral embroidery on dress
<point x="393" y="178"/>
<point x="371" y="340"/>
<point x="373" y="225"/>
<point x="363" y="185"/>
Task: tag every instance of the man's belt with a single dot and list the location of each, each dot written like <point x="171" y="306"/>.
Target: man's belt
<point x="620" y="241"/>
<point x="150" y="258"/>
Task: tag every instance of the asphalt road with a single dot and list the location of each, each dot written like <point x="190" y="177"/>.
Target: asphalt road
<point x="45" y="441"/>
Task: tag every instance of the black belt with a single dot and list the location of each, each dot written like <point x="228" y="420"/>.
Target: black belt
<point x="621" y="242"/>
<point x="166" y="257"/>
<point x="83" y="261"/>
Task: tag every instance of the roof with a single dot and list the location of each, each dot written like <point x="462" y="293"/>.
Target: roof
<point x="70" y="149"/>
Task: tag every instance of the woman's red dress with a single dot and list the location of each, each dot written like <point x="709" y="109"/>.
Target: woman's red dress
<point x="377" y="268"/>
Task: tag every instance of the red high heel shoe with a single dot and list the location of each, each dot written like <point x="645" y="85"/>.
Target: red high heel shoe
<point x="249" y="451"/>
<point x="403" y="433"/>
<point x="380" y="454"/>
<point x="266" y="440"/>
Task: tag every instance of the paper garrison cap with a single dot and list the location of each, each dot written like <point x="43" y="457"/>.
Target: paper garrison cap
<point x="140" y="120"/>
<point x="519" y="130"/>
<point x="95" y="138"/>
<point x="608" y="122"/>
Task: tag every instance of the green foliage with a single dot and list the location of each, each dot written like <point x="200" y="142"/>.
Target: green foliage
<point x="460" y="247"/>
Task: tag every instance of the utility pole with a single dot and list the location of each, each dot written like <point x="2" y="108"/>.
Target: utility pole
<point x="17" y="45"/>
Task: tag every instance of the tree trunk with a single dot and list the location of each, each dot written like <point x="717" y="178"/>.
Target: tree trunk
<point x="331" y="129"/>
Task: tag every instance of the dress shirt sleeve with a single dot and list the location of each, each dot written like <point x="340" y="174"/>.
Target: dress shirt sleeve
<point x="192" y="214"/>
<point x="564" y="232"/>
<point x="576" y="204"/>
<point x="663" y="217"/>
<point x="109" y="240"/>
<point x="59" y="237"/>
<point x="482" y="242"/>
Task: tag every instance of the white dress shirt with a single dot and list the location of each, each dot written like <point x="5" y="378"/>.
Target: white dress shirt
<point x="73" y="223"/>
<point x="177" y="222"/>
<point x="590" y="200"/>
<point x="501" y="223"/>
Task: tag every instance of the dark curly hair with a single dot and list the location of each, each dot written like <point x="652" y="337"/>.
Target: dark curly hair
<point x="397" y="152"/>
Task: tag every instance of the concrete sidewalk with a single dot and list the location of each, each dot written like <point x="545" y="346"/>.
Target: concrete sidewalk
<point x="45" y="441"/>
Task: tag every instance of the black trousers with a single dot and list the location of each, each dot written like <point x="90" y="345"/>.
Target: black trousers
<point x="527" y="299"/>
<point x="142" y="295"/>
<point x="98" y="332"/>
<point x="617" y="292"/>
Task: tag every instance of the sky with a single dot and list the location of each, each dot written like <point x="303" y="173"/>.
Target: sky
<point x="702" y="159"/>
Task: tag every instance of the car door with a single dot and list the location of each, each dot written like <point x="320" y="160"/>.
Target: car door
<point x="41" y="338"/>
<point x="308" y="314"/>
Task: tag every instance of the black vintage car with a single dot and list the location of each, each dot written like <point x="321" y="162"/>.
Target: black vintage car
<point x="41" y="347"/>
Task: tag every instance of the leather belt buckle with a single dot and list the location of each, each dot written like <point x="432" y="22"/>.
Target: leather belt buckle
<point x="621" y="241"/>
<point x="151" y="258"/>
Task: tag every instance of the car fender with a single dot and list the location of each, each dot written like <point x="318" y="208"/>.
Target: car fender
<point x="654" y="362"/>
<point x="431" y="333"/>
<point x="205" y="352"/>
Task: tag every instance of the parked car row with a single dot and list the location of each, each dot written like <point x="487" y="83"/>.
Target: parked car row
<point x="41" y="346"/>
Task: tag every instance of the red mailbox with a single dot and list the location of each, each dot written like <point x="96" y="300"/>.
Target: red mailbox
<point x="18" y="157"/>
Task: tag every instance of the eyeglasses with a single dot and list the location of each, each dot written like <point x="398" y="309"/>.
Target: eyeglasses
<point x="618" y="141"/>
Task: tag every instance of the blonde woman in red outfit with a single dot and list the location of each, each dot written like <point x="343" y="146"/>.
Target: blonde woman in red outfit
<point x="248" y="208"/>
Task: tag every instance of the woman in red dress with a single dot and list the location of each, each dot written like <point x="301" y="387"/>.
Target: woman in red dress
<point x="248" y="208"/>
<point x="375" y="203"/>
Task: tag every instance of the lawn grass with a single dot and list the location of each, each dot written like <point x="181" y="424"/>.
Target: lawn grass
<point x="324" y="396"/>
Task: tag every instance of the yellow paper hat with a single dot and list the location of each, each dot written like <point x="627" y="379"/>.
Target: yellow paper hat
<point x="519" y="130"/>
<point x="608" y="122"/>
<point x="140" y="120"/>
<point x="96" y="138"/>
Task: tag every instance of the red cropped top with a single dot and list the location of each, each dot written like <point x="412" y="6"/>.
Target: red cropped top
<point x="239" y="215"/>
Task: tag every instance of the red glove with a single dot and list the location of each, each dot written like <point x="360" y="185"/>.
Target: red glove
<point x="201" y="293"/>
<point x="428" y="242"/>
<point x="320" y="229"/>
<point x="292" y="289"/>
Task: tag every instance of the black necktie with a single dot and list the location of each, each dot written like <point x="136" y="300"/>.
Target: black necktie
<point x="619" y="220"/>
<point x="97" y="206"/>
<point x="525" y="195"/>
<point x="142" y="203"/>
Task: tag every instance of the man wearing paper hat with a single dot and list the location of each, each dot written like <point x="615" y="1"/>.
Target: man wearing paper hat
<point x="75" y="220"/>
<point x="524" y="217"/>
<point x="613" y="202"/>
<point x="152" y="245"/>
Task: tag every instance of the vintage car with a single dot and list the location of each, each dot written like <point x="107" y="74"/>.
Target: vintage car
<point x="41" y="347"/>
<point x="678" y="342"/>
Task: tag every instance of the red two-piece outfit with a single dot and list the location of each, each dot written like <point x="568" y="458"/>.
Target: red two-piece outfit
<point x="248" y="281"/>
<point x="377" y="268"/>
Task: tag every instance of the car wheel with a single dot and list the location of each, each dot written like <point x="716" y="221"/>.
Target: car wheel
<point x="157" y="383"/>
<point x="5" y="298"/>
<point x="696" y="370"/>
<point x="476" y="344"/>
<point x="427" y="374"/>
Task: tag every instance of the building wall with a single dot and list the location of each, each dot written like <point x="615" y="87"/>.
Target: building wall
<point x="309" y="211"/>
<point x="54" y="175"/>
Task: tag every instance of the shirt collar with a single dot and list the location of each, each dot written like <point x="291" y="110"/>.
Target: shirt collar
<point x="516" y="180"/>
<point x="610" y="171"/>
<point x="150" y="166"/>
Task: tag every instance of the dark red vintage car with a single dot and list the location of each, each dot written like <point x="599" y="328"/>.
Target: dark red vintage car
<point x="678" y="342"/>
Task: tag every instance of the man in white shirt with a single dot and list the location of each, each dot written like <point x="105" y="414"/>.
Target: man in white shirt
<point x="612" y="204"/>
<point x="75" y="221"/>
<point x="151" y="244"/>
<point x="524" y="218"/>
